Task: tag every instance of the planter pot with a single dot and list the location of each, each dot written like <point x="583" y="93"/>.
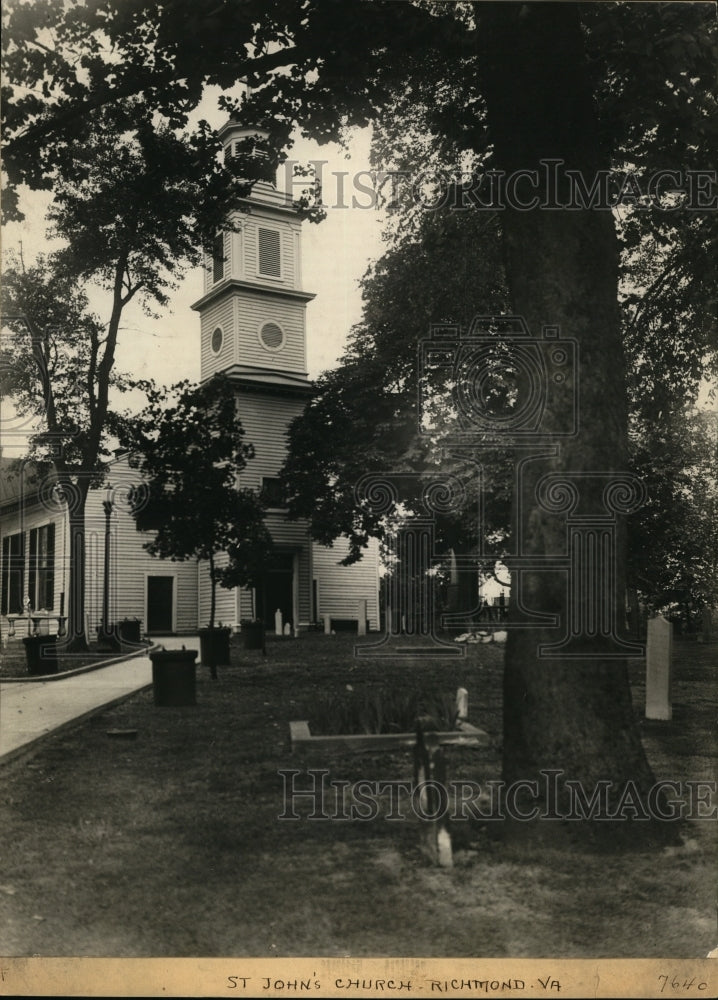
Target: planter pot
<point x="253" y="635"/>
<point x="130" y="630"/>
<point x="214" y="646"/>
<point x="41" y="654"/>
<point x="174" y="677"/>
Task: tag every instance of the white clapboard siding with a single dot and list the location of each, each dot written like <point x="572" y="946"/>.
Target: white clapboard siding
<point x="286" y="533"/>
<point x="256" y="308"/>
<point x="247" y="607"/>
<point x="219" y="314"/>
<point x="265" y="419"/>
<point x="130" y="563"/>
<point x="226" y="601"/>
<point x="339" y="588"/>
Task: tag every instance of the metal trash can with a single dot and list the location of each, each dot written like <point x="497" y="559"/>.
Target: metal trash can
<point x="174" y="677"/>
<point x="41" y="654"/>
<point x="214" y="646"/>
<point x="130" y="631"/>
<point x="253" y="633"/>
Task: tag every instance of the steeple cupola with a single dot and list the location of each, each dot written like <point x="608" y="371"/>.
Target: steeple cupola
<point x="249" y="142"/>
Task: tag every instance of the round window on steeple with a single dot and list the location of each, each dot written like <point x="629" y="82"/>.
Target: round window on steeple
<point x="217" y="338"/>
<point x="271" y="336"/>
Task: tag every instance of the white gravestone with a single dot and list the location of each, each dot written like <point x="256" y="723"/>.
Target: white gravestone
<point x="278" y="627"/>
<point x="462" y="704"/>
<point x="361" y="616"/>
<point x="659" y="652"/>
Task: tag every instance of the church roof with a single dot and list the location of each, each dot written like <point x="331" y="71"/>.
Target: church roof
<point x="19" y="478"/>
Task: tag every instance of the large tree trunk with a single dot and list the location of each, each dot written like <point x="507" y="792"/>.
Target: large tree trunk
<point x="572" y="715"/>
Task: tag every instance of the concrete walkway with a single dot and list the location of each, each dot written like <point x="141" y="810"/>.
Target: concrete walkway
<point x="33" y="709"/>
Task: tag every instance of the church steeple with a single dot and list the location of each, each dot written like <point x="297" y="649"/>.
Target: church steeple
<point x="253" y="308"/>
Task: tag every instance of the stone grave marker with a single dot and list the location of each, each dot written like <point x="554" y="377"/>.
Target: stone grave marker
<point x="659" y="654"/>
<point x="707" y="625"/>
<point x="361" y="617"/>
<point x="462" y="703"/>
<point x="278" y="625"/>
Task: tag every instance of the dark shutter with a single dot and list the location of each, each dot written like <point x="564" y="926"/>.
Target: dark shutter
<point x="6" y="575"/>
<point x="49" y="582"/>
<point x="218" y="258"/>
<point x="32" y="570"/>
<point x="16" y="573"/>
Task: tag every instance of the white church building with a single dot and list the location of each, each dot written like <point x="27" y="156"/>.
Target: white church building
<point x="252" y="317"/>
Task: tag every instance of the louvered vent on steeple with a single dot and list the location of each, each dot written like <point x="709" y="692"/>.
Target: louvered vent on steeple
<point x="270" y="262"/>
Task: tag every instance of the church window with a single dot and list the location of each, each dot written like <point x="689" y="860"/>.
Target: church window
<point x="271" y="336"/>
<point x="218" y="258"/>
<point x="270" y="263"/>
<point x="272" y="493"/>
<point x="41" y="570"/>
<point x="217" y="338"/>
<point x="13" y="568"/>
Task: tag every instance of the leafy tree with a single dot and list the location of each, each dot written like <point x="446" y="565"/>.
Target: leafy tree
<point x="673" y="537"/>
<point x="192" y="452"/>
<point x="511" y="85"/>
<point x="363" y="415"/>
<point x="51" y="370"/>
<point x="133" y="210"/>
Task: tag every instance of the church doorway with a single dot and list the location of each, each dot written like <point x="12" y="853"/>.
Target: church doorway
<point x="160" y="605"/>
<point x="277" y="591"/>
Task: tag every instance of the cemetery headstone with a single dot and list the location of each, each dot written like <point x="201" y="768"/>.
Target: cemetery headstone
<point x="462" y="703"/>
<point x="659" y="654"/>
<point x="634" y="613"/>
<point x="707" y="625"/>
<point x="278" y="625"/>
<point x="361" y="616"/>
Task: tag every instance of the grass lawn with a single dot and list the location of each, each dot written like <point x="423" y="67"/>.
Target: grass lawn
<point x="170" y="844"/>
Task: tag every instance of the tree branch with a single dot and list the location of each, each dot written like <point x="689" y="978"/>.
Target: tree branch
<point x="132" y="87"/>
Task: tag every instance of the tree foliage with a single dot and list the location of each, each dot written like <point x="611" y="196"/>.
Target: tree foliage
<point x="49" y="359"/>
<point x="364" y="415"/>
<point x="191" y="451"/>
<point x="131" y="208"/>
